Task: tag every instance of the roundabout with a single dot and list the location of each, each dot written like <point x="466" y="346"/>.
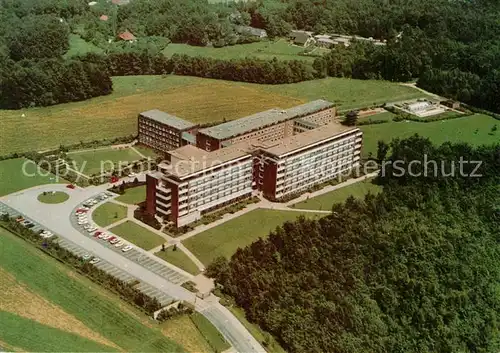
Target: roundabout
<point x="52" y="197"/>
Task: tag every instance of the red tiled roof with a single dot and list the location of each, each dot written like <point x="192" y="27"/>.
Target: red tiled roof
<point x="103" y="18"/>
<point x="126" y="36"/>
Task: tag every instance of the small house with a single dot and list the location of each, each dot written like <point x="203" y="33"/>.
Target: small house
<point x="302" y="38"/>
<point x="252" y="31"/>
<point x="127" y="36"/>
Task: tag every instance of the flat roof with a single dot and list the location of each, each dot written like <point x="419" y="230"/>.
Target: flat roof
<point x="189" y="137"/>
<point x="168" y="119"/>
<point x="265" y="118"/>
<point x="190" y="159"/>
<point x="304" y="139"/>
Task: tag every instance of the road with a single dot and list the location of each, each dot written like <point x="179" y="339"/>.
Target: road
<point x="57" y="218"/>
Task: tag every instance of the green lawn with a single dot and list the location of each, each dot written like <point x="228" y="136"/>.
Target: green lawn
<point x="267" y="50"/>
<point x="35" y="337"/>
<point x="347" y="93"/>
<point x="179" y="259"/>
<point x="96" y="308"/>
<point x="256" y="331"/>
<point x="53" y="197"/>
<point x="146" y="151"/>
<point x="138" y="235"/>
<point x="109" y="213"/>
<point x="102" y="159"/>
<point x="385" y="116"/>
<point x="13" y="178"/>
<point x="133" y="196"/>
<point x="78" y="46"/>
<point x="210" y="333"/>
<point x="325" y="201"/>
<point x="226" y="238"/>
<point x="474" y="129"/>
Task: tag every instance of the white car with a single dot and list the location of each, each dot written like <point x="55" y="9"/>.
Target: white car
<point x="95" y="260"/>
<point x="106" y="237"/>
<point x="81" y="223"/>
<point x="119" y="244"/>
<point x="114" y="241"/>
<point x="46" y="234"/>
<point x="86" y="256"/>
<point x="102" y="235"/>
<point x="127" y="248"/>
<point x="92" y="229"/>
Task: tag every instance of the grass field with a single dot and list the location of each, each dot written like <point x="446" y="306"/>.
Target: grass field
<point x="35" y="337"/>
<point x="146" y="151"/>
<point x="385" y="116"/>
<point x="473" y="129"/>
<point x="133" y="196"/>
<point x="78" y="46"/>
<point x="179" y="259"/>
<point x="226" y="238"/>
<point x="181" y="329"/>
<point x="210" y="333"/>
<point x="195" y="99"/>
<point x="55" y="197"/>
<point x="325" y="201"/>
<point x="138" y="235"/>
<point x="13" y="178"/>
<point x="109" y="213"/>
<point x="102" y="159"/>
<point x="267" y="50"/>
<point x="81" y="301"/>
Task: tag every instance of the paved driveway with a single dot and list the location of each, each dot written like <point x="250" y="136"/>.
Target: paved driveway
<point x="57" y="218"/>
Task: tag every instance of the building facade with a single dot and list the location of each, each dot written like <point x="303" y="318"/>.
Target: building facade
<point x="276" y="153"/>
<point x="270" y="125"/>
<point x="164" y="132"/>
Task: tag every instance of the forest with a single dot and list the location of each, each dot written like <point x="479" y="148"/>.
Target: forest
<point x="413" y="269"/>
<point x="450" y="47"/>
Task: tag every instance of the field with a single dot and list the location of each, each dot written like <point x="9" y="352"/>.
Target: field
<point x="325" y="201"/>
<point x="100" y="160"/>
<point x="267" y="50"/>
<point x="109" y="213"/>
<point x="473" y="129"/>
<point x="78" y="46"/>
<point x="225" y="239"/>
<point x="146" y="151"/>
<point x="12" y="177"/>
<point x="53" y="197"/>
<point x="195" y="99"/>
<point x="35" y="287"/>
<point x="179" y="259"/>
<point x="138" y="235"/>
<point x="210" y="333"/>
<point x="385" y="116"/>
<point x="133" y="196"/>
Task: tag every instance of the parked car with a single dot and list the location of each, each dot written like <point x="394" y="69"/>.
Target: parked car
<point x="127" y="248"/>
<point x="19" y="219"/>
<point x="96" y="234"/>
<point x="119" y="244"/>
<point x="106" y="237"/>
<point x="90" y="230"/>
<point x="70" y="186"/>
<point x="86" y="256"/>
<point x="95" y="260"/>
<point x="102" y="235"/>
<point x="114" y="241"/>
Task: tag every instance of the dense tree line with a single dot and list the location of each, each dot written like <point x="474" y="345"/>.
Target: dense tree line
<point x="413" y="269"/>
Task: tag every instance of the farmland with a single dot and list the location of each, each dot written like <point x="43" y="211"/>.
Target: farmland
<point x="99" y="160"/>
<point x="63" y="304"/>
<point x="138" y="235"/>
<point x="267" y="50"/>
<point x="195" y="99"/>
<point x="226" y="238"/>
<point x="15" y="177"/>
<point x="325" y="201"/>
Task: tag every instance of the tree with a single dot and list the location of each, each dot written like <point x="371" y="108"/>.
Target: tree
<point x="382" y="150"/>
<point x="351" y="118"/>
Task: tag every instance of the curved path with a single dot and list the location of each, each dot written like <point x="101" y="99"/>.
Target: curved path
<point x="57" y="218"/>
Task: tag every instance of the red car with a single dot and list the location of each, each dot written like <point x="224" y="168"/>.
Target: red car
<point x="96" y="234"/>
<point x="111" y="239"/>
<point x="81" y="210"/>
<point x="70" y="186"/>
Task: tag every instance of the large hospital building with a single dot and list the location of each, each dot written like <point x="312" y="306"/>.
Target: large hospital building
<point x="276" y="152"/>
